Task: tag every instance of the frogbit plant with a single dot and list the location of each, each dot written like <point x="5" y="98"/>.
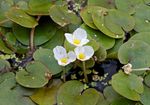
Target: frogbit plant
<point x="78" y="38"/>
<point x="82" y="53"/>
<point x="63" y="57"/>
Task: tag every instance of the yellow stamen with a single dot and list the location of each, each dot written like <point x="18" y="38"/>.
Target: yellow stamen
<point x="64" y="60"/>
<point x="81" y="56"/>
<point x="76" y="41"/>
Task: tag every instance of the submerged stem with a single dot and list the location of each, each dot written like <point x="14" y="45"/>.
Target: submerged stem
<point x="84" y="71"/>
<point x="64" y="74"/>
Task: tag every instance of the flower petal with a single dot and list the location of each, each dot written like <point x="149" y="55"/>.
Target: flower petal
<point x="69" y="37"/>
<point x="89" y="52"/>
<point x="71" y="56"/>
<point x="63" y="64"/>
<point x="59" y="52"/>
<point x="83" y="42"/>
<point x="79" y="50"/>
<point x="79" y="33"/>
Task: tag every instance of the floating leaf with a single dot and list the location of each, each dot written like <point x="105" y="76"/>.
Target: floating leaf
<point x="98" y="19"/>
<point x="44" y="32"/>
<point x="56" y="40"/>
<point x="62" y="16"/>
<point x="128" y="6"/>
<point x="147" y="80"/>
<point x="113" y="52"/>
<point x="70" y="94"/>
<point x="46" y="57"/>
<point x="9" y="91"/>
<point x="118" y="22"/>
<point x="145" y="96"/>
<point x="5" y="5"/>
<point x="34" y="76"/>
<point x="142" y="36"/>
<point x="103" y="40"/>
<point x="142" y="23"/>
<point x="3" y="48"/>
<point x="22" y="18"/>
<point x="86" y="15"/>
<point x="102" y="3"/>
<point x="47" y="95"/>
<point x="135" y="52"/>
<point x="4" y="66"/>
<point x="129" y="86"/>
<point x="39" y="7"/>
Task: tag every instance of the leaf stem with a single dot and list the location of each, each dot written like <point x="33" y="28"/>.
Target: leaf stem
<point x="64" y="74"/>
<point x="31" y="42"/>
<point x="84" y="72"/>
<point x="141" y="69"/>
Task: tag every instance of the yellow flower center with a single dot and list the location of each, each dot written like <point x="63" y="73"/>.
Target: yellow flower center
<point x="64" y="60"/>
<point x="81" y="56"/>
<point x="76" y="41"/>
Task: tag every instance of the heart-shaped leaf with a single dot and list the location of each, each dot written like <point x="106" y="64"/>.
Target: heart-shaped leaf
<point x="47" y="95"/>
<point x="9" y="91"/>
<point x="142" y="36"/>
<point x="70" y="94"/>
<point x="98" y="17"/>
<point x="20" y="17"/>
<point x="62" y="16"/>
<point x="147" y="80"/>
<point x="102" y="3"/>
<point x="46" y="57"/>
<point x="118" y="22"/>
<point x="129" y="86"/>
<point x="103" y="40"/>
<point x="142" y="23"/>
<point x="135" y="52"/>
<point x="35" y="75"/>
<point x="56" y="40"/>
<point x="86" y="15"/>
<point x="44" y="32"/>
<point x="145" y="96"/>
<point x="127" y="6"/>
<point x="39" y="7"/>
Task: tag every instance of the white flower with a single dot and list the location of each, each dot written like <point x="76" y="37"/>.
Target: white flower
<point x="84" y="53"/>
<point x="78" y="38"/>
<point x="62" y="56"/>
<point x="127" y="68"/>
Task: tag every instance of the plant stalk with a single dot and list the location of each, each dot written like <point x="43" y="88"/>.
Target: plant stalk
<point x="141" y="69"/>
<point x="64" y="74"/>
<point x="84" y="72"/>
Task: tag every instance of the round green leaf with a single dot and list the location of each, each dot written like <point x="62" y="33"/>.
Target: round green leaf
<point x="47" y="96"/>
<point x="142" y="36"/>
<point x="62" y="16"/>
<point x="145" y="96"/>
<point x="70" y="94"/>
<point x="129" y="86"/>
<point x="46" y="57"/>
<point x="113" y="52"/>
<point x="86" y="15"/>
<point x="43" y="32"/>
<point x="103" y="40"/>
<point x="135" y="52"/>
<point x="34" y="76"/>
<point x="118" y="22"/>
<point x="102" y="3"/>
<point x="3" y="48"/>
<point x="56" y="40"/>
<point x="10" y="91"/>
<point x="4" y="66"/>
<point x="98" y="19"/>
<point x="39" y="7"/>
<point x="127" y="6"/>
<point x="147" y="80"/>
<point x="22" y="18"/>
<point x="142" y="23"/>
